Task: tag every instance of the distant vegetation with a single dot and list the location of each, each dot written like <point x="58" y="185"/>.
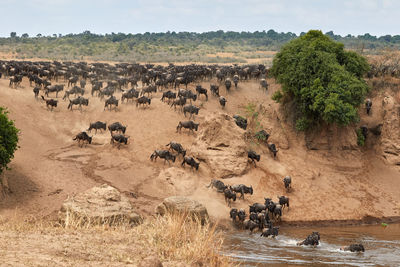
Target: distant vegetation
<point x="211" y="47"/>
<point x="323" y="81"/>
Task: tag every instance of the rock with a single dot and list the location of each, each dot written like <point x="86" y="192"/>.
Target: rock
<point x="221" y="145"/>
<point x="171" y="182"/>
<point x="99" y="205"/>
<point x="180" y="204"/>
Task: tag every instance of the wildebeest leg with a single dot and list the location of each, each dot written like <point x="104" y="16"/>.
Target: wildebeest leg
<point x="242" y="194"/>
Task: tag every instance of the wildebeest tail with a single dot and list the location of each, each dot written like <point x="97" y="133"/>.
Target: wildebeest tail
<point x="43" y="98"/>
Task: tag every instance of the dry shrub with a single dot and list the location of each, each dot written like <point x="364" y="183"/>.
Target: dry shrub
<point x="177" y="237"/>
<point x="173" y="238"/>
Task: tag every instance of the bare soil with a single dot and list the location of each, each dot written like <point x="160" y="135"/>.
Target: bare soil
<point x="334" y="184"/>
<point x="340" y="185"/>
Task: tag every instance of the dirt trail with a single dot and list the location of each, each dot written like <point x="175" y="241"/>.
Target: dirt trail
<point x="332" y="184"/>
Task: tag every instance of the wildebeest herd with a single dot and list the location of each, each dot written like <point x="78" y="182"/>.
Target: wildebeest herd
<point x="264" y="216"/>
<point x="106" y="80"/>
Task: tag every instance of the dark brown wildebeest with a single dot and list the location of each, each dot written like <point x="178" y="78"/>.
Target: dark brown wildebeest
<point x="82" y="137"/>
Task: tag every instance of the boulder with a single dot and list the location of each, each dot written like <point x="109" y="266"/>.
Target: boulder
<point x="181" y="204"/>
<point x="99" y="205"/>
<point x="221" y="145"/>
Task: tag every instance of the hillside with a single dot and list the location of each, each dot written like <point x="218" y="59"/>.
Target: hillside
<point x="335" y="180"/>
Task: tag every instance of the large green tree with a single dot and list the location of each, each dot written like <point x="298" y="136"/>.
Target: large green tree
<point x="8" y="139"/>
<point x="324" y="80"/>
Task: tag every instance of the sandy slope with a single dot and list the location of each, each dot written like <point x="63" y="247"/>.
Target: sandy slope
<point x="333" y="184"/>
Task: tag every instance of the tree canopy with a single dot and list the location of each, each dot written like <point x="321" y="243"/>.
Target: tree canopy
<point x="324" y="80"/>
<point x="8" y="139"/>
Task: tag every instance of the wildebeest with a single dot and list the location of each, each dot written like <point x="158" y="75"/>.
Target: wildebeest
<point x="253" y="156"/>
<point x="164" y="154"/>
<point x="229" y="194"/>
<point x="116" y="126"/>
<point x="288" y="183"/>
<point x="132" y="93"/>
<point x="191" y="162"/>
<point x="190" y="109"/>
<point x="228" y="84"/>
<point x="262" y="135"/>
<point x="277" y="211"/>
<point x="251" y="225"/>
<point x="110" y="102"/>
<point x="148" y="90"/>
<point x="218" y="184"/>
<point x="75" y="90"/>
<point x="235" y="80"/>
<point x="50" y="102"/>
<point x="222" y="101"/>
<point x="368" y="105"/>
<point x="15" y="80"/>
<point x="311" y="240"/>
<point x="264" y="84"/>
<point x="200" y="90"/>
<point x="257" y="207"/>
<point x="177" y="147"/>
<point x="242" y="189"/>
<point x="233" y="214"/>
<point x="36" y="91"/>
<point x="169" y="94"/>
<point x="73" y="80"/>
<point x="178" y="102"/>
<point x="242" y="215"/>
<point x="214" y="89"/>
<point x="98" y="125"/>
<point x="82" y="137"/>
<point x="108" y="91"/>
<point x="188" y="125"/>
<point x="82" y="83"/>
<point x="187" y="94"/>
<point x="78" y="101"/>
<point x="364" y="131"/>
<point x="283" y="201"/>
<point x="53" y="88"/>
<point x="273" y="149"/>
<point x="120" y="139"/>
<point x="143" y="100"/>
<point x="240" y="121"/>
<point x="353" y="248"/>
<point x="271" y="232"/>
<point x="253" y="216"/>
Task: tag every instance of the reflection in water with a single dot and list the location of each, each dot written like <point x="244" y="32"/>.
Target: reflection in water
<point x="382" y="245"/>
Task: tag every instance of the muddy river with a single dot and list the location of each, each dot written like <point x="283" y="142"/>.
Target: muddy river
<point x="382" y="247"/>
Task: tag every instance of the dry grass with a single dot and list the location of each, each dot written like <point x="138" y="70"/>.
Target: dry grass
<point x="178" y="237"/>
<point x="172" y="238"/>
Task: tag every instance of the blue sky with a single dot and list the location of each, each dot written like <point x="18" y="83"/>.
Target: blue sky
<point x="377" y="17"/>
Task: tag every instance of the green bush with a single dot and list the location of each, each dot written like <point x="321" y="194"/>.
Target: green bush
<point x="277" y="96"/>
<point x="360" y="137"/>
<point x="8" y="139"/>
<point x="323" y="79"/>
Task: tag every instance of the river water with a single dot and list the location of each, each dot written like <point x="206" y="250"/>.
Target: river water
<point x="382" y="247"/>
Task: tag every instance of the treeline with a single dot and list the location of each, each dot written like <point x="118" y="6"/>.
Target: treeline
<point x="172" y="46"/>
